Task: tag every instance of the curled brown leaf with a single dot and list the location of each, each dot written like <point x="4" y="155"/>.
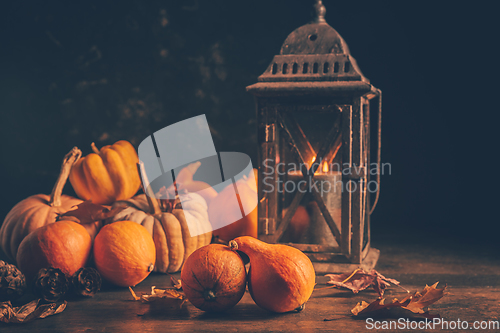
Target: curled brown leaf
<point x="160" y="294"/>
<point x="359" y="280"/>
<point x="28" y="312"/>
<point x="416" y="303"/>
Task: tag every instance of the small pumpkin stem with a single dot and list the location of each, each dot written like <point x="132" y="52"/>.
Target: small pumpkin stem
<point x="151" y="267"/>
<point x="154" y="206"/>
<point x="233" y="245"/>
<point x="68" y="161"/>
<point x="301" y="307"/>
<point x="94" y="148"/>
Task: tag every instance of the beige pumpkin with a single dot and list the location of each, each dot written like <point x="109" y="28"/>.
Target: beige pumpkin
<point x="168" y="227"/>
<point x="39" y="210"/>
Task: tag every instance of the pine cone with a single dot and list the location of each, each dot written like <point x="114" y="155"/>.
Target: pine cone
<point x="51" y="284"/>
<point x="86" y="281"/>
<point x="12" y="282"/>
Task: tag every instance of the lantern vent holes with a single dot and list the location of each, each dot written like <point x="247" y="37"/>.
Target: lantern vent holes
<point x="347" y="67"/>
<point x="315" y="68"/>
<point x="313" y="37"/>
<point x="326" y="67"/>
<point x="336" y="67"/>
<point x="305" y="69"/>
<point x="322" y="68"/>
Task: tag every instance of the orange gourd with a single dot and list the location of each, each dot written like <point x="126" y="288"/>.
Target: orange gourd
<point x="107" y="175"/>
<point x="214" y="278"/>
<point x="281" y="278"/>
<point x="39" y="210"/>
<point x="124" y="253"/>
<point x="65" y="245"/>
<point x="246" y="226"/>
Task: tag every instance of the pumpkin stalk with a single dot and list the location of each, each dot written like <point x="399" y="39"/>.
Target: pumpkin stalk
<point x="301" y="307"/>
<point x="94" y="148"/>
<point x="70" y="159"/>
<point x="233" y="245"/>
<point x="154" y="206"/>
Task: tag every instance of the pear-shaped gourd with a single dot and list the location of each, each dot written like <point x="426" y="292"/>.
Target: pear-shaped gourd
<point x="281" y="278"/>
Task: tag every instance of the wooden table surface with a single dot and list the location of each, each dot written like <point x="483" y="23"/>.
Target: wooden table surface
<point x="472" y="277"/>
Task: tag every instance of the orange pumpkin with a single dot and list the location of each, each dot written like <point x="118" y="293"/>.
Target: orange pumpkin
<point x="168" y="227"/>
<point x="246" y="226"/>
<point x="281" y="278"/>
<point x="214" y="278"/>
<point x="124" y="253"/>
<point x="107" y="175"/>
<point x="65" y="245"/>
<point x="39" y="210"/>
<point x="167" y="223"/>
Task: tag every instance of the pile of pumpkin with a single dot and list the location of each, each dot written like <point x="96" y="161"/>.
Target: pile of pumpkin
<point x="141" y="233"/>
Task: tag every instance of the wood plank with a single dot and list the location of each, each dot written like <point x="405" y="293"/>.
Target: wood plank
<point x="473" y="294"/>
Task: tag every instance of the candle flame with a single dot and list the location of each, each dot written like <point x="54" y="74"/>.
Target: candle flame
<point x="325" y="166"/>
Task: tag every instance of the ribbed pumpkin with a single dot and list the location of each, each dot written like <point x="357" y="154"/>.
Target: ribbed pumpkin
<point x="65" y="245"/>
<point x="39" y="210"/>
<point x="124" y="253"/>
<point x="107" y="175"/>
<point x="168" y="227"/>
<point x="214" y="278"/>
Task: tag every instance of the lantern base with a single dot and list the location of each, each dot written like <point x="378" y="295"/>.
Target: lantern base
<point x="367" y="264"/>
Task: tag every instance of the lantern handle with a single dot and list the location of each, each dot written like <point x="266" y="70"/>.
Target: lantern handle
<point x="379" y="146"/>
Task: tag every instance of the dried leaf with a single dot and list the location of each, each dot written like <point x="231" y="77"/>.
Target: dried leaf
<point x="160" y="294"/>
<point x="177" y="284"/>
<point x="416" y="304"/>
<point x="29" y="311"/>
<point x="359" y="280"/>
<point x="88" y="212"/>
<point x="428" y="296"/>
<point x="133" y="294"/>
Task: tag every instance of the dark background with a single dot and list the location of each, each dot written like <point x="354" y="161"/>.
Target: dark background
<point x="101" y="71"/>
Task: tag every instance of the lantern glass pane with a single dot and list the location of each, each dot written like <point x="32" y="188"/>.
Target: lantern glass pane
<point x="310" y="136"/>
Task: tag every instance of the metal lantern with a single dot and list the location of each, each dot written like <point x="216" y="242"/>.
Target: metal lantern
<point x="315" y="180"/>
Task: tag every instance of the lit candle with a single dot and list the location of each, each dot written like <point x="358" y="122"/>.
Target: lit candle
<point x="328" y="184"/>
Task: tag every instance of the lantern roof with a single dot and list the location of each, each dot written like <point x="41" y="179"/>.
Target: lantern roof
<point x="313" y="55"/>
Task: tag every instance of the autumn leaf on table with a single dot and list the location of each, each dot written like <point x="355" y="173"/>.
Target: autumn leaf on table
<point x="30" y="311"/>
<point x="166" y="296"/>
<point x="88" y="212"/>
<point x="177" y="284"/>
<point x="359" y="280"/>
<point x="413" y="305"/>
